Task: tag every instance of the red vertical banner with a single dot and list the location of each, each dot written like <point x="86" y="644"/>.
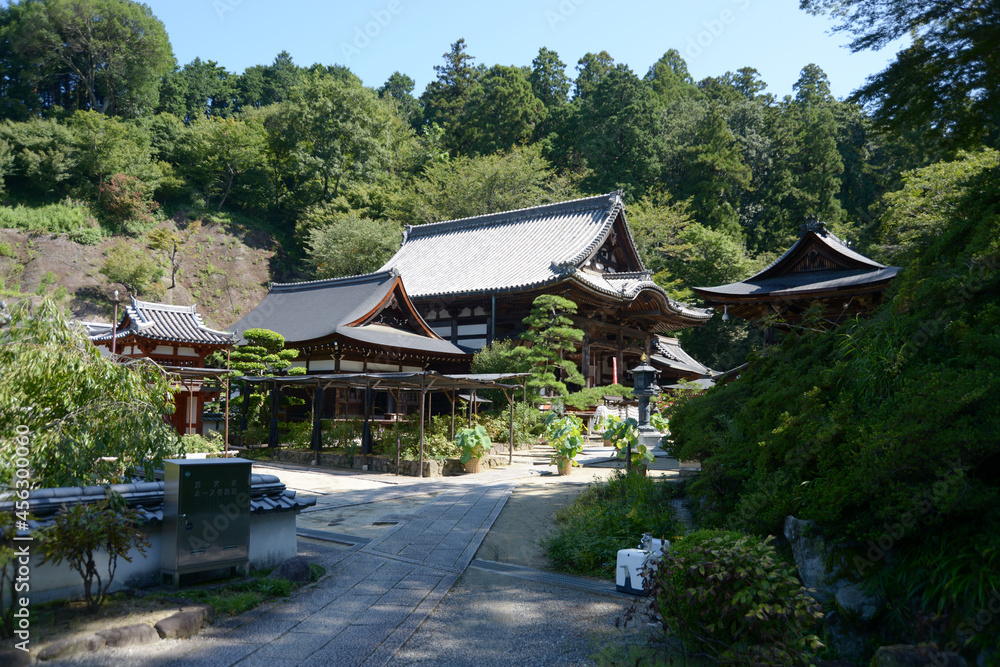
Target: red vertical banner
<point x="614" y="370"/>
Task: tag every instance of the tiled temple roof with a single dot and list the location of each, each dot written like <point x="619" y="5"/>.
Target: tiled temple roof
<point x="160" y="321"/>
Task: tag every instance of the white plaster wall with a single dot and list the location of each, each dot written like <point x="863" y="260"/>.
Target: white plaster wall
<point x="272" y="540"/>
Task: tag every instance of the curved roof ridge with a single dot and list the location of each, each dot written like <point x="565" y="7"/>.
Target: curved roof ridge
<point x="163" y="307"/>
<point x="515" y="215"/>
<point x="327" y="282"/>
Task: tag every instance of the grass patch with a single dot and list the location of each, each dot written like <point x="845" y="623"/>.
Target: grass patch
<point x="242" y="596"/>
<point x="607" y="517"/>
<point x="66" y="216"/>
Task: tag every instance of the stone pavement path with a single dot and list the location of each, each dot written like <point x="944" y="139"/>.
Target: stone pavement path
<point x="373" y="598"/>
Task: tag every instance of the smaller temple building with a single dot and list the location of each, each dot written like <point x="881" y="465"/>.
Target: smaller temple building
<point x="818" y="269"/>
<point x="177" y="338"/>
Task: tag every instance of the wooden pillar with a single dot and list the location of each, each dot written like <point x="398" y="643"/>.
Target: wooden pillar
<point x="510" y="399"/>
<point x="272" y="434"/>
<point x="585" y="360"/>
<point x="453" y="397"/>
<point x="621" y="355"/>
<point x="423" y="398"/>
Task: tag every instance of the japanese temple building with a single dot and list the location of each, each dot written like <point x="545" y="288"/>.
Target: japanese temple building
<point x="818" y="269"/>
<point x="473" y="280"/>
<point x="174" y="337"/>
<point x="357" y="324"/>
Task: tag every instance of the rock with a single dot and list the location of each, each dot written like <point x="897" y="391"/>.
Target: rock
<point x="130" y="635"/>
<point x="71" y="646"/>
<point x="182" y="625"/>
<point x="206" y="610"/>
<point x="846" y="640"/>
<point x="809" y="551"/>
<point x="857" y="604"/>
<point x="907" y="655"/>
<point x="14" y="658"/>
<point x="294" y="569"/>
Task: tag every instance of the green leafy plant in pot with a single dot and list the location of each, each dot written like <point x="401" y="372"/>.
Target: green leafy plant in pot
<point x="565" y="436"/>
<point x="624" y="434"/>
<point x="475" y="443"/>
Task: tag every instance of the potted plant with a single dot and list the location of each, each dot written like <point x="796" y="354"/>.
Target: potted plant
<point x="624" y="433"/>
<point x="475" y="444"/>
<point x="565" y="436"/>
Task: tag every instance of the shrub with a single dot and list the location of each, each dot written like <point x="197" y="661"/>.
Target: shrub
<point x="132" y="268"/>
<point x="125" y="199"/>
<point x="81" y="532"/>
<point x="193" y="443"/>
<point x="607" y="517"/>
<point x="729" y="597"/>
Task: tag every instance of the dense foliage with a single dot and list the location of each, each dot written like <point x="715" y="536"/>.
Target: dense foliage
<point x="57" y="385"/>
<point x="884" y="430"/>
<point x="607" y="517"/>
<point x="730" y="597"/>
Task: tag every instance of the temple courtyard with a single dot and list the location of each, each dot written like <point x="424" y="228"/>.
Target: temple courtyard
<point x="439" y="571"/>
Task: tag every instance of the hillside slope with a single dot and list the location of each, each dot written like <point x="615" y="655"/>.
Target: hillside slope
<point x="224" y="270"/>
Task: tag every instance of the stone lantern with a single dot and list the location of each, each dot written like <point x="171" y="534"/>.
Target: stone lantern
<point x="644" y="386"/>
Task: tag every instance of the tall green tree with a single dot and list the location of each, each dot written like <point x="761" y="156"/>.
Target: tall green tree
<point x="590" y="70"/>
<point x="399" y="88"/>
<point x="621" y="134"/>
<point x="217" y="152"/>
<point x="446" y="98"/>
<point x="670" y="79"/>
<point x="504" y="113"/>
<point x="112" y="53"/>
<point x="716" y="174"/>
<point x="328" y="135"/>
<point x="548" y="78"/>
<point x="946" y="83"/>
<point x="551" y="335"/>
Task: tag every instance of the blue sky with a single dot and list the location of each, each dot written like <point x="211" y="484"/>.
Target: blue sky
<point x="376" y="37"/>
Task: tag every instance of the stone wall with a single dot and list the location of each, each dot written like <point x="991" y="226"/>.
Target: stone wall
<point x="272" y="540"/>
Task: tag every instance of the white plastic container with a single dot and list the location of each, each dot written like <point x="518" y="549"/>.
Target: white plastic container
<point x="629" y="576"/>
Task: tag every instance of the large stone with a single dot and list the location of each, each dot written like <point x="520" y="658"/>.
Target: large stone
<point x="811" y="555"/>
<point x="847" y="640"/>
<point x="294" y="569"/>
<point x="856" y="604"/>
<point x="206" y="611"/>
<point x="809" y="551"/>
<point x="71" y="646"/>
<point x="181" y="625"/>
<point x="907" y="655"/>
<point x="130" y="635"/>
<point x="14" y="658"/>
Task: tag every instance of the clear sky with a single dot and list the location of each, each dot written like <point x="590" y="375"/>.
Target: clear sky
<point x="377" y="37"/>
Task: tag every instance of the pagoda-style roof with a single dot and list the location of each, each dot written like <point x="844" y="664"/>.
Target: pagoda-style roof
<point x="668" y="354"/>
<point x="819" y="267"/>
<point x="584" y="244"/>
<point x="160" y="322"/>
<point x="364" y="312"/>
